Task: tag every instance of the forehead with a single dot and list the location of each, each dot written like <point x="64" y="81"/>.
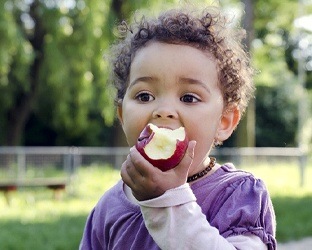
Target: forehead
<point x="174" y="59"/>
<point x="157" y="46"/>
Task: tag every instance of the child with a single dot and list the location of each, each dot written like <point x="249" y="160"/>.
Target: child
<point x="185" y="68"/>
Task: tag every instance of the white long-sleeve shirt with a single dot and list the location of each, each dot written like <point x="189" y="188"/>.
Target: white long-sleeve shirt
<point x="167" y="217"/>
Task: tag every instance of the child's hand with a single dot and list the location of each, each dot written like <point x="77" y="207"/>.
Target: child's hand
<point x="147" y="181"/>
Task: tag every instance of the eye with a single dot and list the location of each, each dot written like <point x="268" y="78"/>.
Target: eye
<point x="189" y="98"/>
<point x="144" y="97"/>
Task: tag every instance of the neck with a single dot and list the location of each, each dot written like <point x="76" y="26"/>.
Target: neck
<point x="203" y="172"/>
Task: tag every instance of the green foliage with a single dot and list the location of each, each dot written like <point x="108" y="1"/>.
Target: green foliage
<point x="277" y="83"/>
<point x="15" y="55"/>
<point x="277" y="116"/>
<point x="76" y="84"/>
<point x="71" y="98"/>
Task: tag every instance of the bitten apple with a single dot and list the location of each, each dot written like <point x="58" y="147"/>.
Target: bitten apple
<point x="162" y="147"/>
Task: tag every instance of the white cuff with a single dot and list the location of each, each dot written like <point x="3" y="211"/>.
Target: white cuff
<point x="172" y="197"/>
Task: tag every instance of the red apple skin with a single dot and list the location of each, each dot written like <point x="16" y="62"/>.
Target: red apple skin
<point x="163" y="164"/>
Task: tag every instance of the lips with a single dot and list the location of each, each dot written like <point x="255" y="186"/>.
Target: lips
<point x="145" y="135"/>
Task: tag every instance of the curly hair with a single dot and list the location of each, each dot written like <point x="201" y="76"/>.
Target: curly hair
<point x="208" y="31"/>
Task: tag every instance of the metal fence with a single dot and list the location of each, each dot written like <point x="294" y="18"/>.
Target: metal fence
<point x="20" y="163"/>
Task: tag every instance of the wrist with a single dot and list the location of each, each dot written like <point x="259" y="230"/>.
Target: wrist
<point x="172" y="197"/>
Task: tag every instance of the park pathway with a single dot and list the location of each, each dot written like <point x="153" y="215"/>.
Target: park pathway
<point x="303" y="244"/>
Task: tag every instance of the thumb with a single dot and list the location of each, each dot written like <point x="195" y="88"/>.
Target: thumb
<point x="183" y="168"/>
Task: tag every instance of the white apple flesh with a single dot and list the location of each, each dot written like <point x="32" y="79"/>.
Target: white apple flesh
<point x="162" y="147"/>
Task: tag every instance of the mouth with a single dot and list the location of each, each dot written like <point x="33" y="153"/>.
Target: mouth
<point x="145" y="134"/>
<point x="142" y="138"/>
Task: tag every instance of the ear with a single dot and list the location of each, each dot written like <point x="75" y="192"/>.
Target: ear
<point x="229" y="121"/>
<point x="119" y="113"/>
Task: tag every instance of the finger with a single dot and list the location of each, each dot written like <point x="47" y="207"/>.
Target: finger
<point x="189" y="155"/>
<point x="133" y="168"/>
<point x="183" y="168"/>
<point x="129" y="173"/>
<point x="125" y="176"/>
<point x="190" y="149"/>
<point x="143" y="166"/>
<point x="127" y="180"/>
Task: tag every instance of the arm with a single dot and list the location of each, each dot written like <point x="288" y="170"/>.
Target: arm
<point x="175" y="221"/>
<point x="89" y="238"/>
<point x="163" y="208"/>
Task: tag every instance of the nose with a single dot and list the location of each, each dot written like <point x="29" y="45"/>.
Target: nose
<point x="165" y="110"/>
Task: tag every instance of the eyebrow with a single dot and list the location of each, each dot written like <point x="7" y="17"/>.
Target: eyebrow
<point x="150" y="79"/>
<point x="182" y="80"/>
<point x="187" y="80"/>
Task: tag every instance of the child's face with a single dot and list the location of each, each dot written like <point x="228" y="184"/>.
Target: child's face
<point x="172" y="86"/>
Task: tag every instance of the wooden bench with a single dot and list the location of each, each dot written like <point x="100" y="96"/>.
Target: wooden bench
<point x="58" y="185"/>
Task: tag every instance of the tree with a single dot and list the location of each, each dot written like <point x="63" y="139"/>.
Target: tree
<point x="52" y="67"/>
<point x="272" y="50"/>
<point x="246" y="136"/>
<point x="53" y="78"/>
<point x="277" y="82"/>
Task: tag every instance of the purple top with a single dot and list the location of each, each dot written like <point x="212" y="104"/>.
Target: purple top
<point x="234" y="202"/>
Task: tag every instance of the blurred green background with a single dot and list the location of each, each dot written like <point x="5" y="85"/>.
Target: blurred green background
<point x="54" y="88"/>
<point x="54" y="91"/>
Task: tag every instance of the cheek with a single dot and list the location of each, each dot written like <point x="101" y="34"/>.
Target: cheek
<point x="132" y="127"/>
<point x="204" y="137"/>
<point x="131" y="132"/>
<point x="204" y="130"/>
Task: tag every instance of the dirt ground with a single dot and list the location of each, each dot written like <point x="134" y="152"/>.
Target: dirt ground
<point x="304" y="244"/>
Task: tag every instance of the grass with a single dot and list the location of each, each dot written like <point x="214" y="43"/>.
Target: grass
<point x="36" y="221"/>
